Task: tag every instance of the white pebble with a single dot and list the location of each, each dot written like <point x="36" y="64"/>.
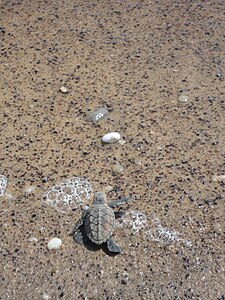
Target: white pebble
<point x="33" y="239"/>
<point x="54" y="243"/>
<point x="63" y="90"/>
<point x="45" y="296"/>
<point x="111" y="137"/>
<point x="183" y="98"/>
<point x="118" y="169"/>
<point x="30" y="189"/>
<point x="218" y="178"/>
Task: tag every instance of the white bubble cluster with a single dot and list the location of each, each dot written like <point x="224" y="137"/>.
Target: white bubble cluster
<point x="3" y="184"/>
<point x="134" y="220"/>
<point x="68" y="194"/>
<point x="164" y="235"/>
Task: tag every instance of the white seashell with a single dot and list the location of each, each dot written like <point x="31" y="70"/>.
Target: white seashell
<point x="63" y="90"/>
<point x="111" y="137"/>
<point x="54" y="243"/>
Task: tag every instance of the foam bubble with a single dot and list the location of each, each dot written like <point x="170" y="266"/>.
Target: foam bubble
<point x="164" y="235"/>
<point x="3" y="184"/>
<point x="134" y="220"/>
<point x="68" y="194"/>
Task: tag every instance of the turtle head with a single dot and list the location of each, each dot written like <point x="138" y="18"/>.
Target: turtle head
<point x="99" y="198"/>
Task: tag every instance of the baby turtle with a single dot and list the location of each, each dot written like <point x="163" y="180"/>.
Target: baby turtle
<point x="99" y="223"/>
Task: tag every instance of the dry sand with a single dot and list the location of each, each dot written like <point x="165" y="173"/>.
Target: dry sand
<point x="135" y="58"/>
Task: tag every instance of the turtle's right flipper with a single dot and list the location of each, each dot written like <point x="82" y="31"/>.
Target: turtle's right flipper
<point x="119" y="201"/>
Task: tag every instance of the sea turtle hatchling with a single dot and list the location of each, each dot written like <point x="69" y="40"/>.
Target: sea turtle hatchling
<point x="99" y="223"/>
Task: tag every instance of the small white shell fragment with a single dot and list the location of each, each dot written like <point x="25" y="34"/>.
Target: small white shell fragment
<point x="30" y="189"/>
<point x="63" y="90"/>
<point x="8" y="196"/>
<point x="216" y="178"/>
<point x="54" y="243"/>
<point x="112" y="137"/>
<point x="33" y="239"/>
<point x="122" y="142"/>
<point x="183" y="98"/>
<point x="108" y="188"/>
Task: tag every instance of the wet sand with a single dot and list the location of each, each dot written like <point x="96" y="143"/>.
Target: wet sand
<point x="135" y="58"/>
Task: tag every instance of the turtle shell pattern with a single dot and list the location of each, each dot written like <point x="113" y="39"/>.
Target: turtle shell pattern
<point x="99" y="223"/>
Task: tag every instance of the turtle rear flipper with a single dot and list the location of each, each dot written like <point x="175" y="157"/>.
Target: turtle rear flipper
<point x="78" y="237"/>
<point x="112" y="247"/>
<point x="119" y="214"/>
<point x="77" y="232"/>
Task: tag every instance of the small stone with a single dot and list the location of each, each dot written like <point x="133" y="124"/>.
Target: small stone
<point x="183" y="98"/>
<point x="112" y="137"/>
<point x="219" y="75"/>
<point x="97" y="115"/>
<point x="216" y="178"/>
<point x="137" y="161"/>
<point x="159" y="147"/>
<point x="63" y="90"/>
<point x="118" y="169"/>
<point x="33" y="239"/>
<point x="108" y="188"/>
<point x="54" y="243"/>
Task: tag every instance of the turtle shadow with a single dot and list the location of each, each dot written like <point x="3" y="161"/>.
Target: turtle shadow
<point x="81" y="238"/>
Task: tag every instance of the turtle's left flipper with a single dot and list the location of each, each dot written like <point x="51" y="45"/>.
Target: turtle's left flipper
<point x="77" y="233"/>
<point x="78" y="236"/>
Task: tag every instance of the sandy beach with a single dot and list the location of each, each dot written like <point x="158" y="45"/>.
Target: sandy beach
<point x="157" y="67"/>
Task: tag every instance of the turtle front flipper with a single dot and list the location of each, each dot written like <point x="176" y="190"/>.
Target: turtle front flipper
<point x="119" y="202"/>
<point x="112" y="247"/>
